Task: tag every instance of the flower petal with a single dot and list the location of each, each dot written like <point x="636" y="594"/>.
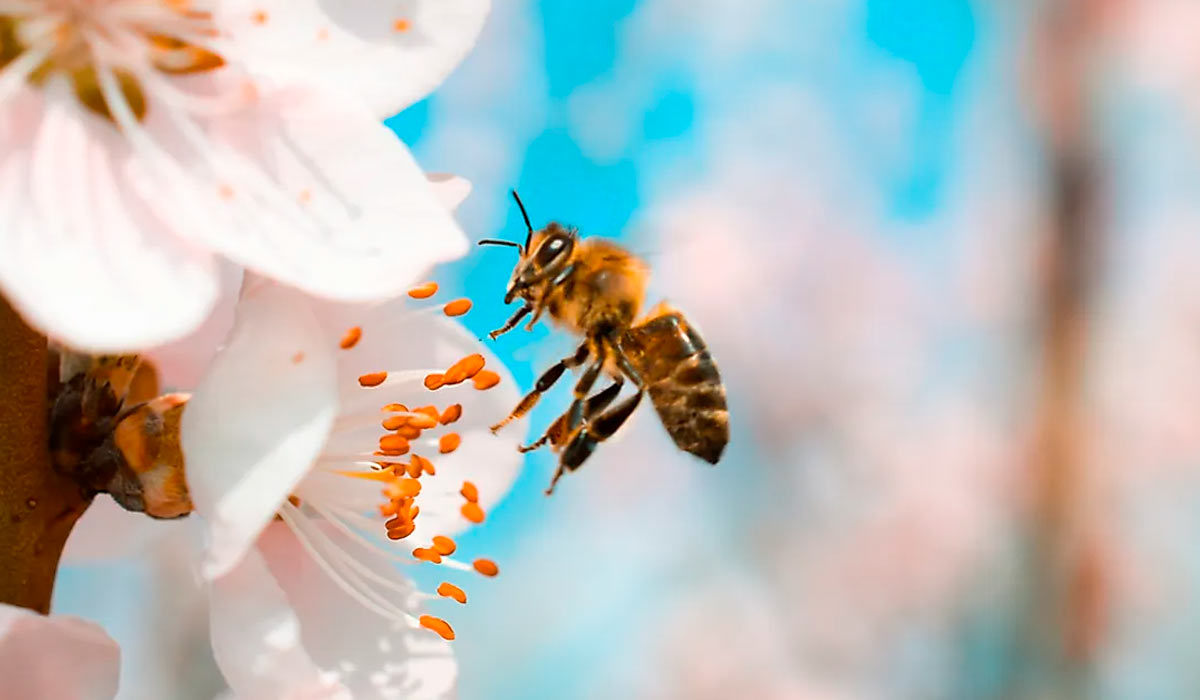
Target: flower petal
<point x="106" y="531"/>
<point x="390" y="53"/>
<point x="305" y="186"/>
<point x="451" y="190"/>
<point x="82" y="256"/>
<point x="55" y="657"/>
<point x="371" y="657"/>
<point x="258" y="419"/>
<point x="256" y="638"/>
<point x="181" y="363"/>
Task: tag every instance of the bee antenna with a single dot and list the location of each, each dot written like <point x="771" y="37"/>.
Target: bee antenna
<point x="528" y="226"/>
<point x="497" y="241"/>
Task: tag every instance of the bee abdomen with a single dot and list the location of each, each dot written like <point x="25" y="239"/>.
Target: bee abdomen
<point x="683" y="383"/>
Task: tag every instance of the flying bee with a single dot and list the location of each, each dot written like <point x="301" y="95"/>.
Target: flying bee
<point x="594" y="289"/>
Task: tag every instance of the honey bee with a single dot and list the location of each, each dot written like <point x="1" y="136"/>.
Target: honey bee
<point x="594" y="288"/>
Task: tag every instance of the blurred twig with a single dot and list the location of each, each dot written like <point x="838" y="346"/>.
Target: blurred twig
<point x="1063" y="613"/>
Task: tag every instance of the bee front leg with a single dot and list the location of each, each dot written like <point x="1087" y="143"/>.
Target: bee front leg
<point x="511" y="323"/>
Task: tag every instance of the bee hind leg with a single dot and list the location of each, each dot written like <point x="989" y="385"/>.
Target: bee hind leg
<point x="558" y="431"/>
<point x="584" y="441"/>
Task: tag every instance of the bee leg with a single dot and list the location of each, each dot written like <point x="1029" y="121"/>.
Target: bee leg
<point x="544" y="382"/>
<point x="584" y="442"/>
<point x="557" y="433"/>
<point x="537" y="315"/>
<point x="512" y="322"/>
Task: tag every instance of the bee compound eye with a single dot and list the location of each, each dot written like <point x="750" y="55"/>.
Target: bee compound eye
<point x="550" y="250"/>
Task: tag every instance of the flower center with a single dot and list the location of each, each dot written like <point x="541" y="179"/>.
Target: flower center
<point x="407" y="478"/>
<point x="90" y="41"/>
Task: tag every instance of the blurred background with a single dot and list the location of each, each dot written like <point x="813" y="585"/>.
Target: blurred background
<point x="946" y="254"/>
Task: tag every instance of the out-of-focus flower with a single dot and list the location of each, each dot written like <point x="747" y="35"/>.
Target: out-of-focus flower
<point x="142" y="139"/>
<point x="55" y="657"/>
<point x="306" y="415"/>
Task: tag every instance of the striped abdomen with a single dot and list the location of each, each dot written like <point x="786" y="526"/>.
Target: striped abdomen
<point x="682" y="381"/>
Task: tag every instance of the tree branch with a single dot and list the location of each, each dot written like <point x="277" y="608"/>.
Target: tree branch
<point x="38" y="507"/>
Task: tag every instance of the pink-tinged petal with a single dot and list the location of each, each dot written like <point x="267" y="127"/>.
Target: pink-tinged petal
<point x="398" y="339"/>
<point x="306" y="187"/>
<point x="107" y="532"/>
<point x="372" y="657"/>
<point x="451" y="190"/>
<point x="82" y="256"/>
<point x="389" y="53"/>
<point x="55" y="657"/>
<point x="258" y="419"/>
<point x="256" y="638"/>
<point x="182" y="363"/>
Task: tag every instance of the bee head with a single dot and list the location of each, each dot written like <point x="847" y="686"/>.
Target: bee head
<point x="545" y="255"/>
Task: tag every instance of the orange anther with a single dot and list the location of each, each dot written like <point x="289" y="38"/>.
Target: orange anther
<point x="437" y="625"/>
<point x="389" y="509"/>
<point x="472" y="512"/>
<point x="426" y="465"/>
<point x="351" y="338"/>
<point x="444" y="545"/>
<point x="413" y="469"/>
<point x="393" y="443"/>
<point x="394" y="422"/>
<point x="427" y="554"/>
<point x="486" y="379"/>
<point x="464" y="369"/>
<point x="408" y="488"/>
<point x="399" y="452"/>
<point x="395" y="407"/>
<point x="449" y="443"/>
<point x="469" y="492"/>
<point x="451" y="414"/>
<point x="430" y="411"/>
<point x="449" y="590"/>
<point x="458" y="307"/>
<point x="414" y="511"/>
<point x="423" y="291"/>
<point x="408" y="432"/>
<point x="401" y="532"/>
<point x="434" y="381"/>
<point x="373" y="379"/>
<point x="487" y="567"/>
<point x="423" y="422"/>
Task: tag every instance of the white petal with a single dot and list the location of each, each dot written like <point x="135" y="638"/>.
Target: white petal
<point x="257" y="421"/>
<point x="368" y="655"/>
<point x="307" y="187"/>
<point x="390" y="53"/>
<point x="107" y="532"/>
<point x="55" y="657"/>
<point x="182" y="363"/>
<point x="398" y="338"/>
<point x="81" y="254"/>
<point x="451" y="190"/>
<point x="256" y="638"/>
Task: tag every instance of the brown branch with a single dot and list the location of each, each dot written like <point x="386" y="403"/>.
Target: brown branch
<point x="38" y="507"/>
<point x="1064" y="613"/>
